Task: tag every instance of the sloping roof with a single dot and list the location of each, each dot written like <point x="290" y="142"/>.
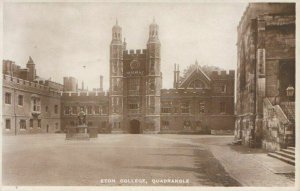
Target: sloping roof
<point x="195" y="73"/>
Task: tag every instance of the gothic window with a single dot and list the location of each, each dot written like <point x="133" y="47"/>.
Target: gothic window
<point x="152" y="84"/>
<point x="115" y="100"/>
<point x="133" y="106"/>
<point x="89" y="110"/>
<point x="104" y="110"/>
<point x="67" y="110"/>
<point x="152" y="64"/>
<point x="185" y="107"/>
<point x="114" y="68"/>
<point x="166" y="110"/>
<point x="74" y="110"/>
<point x="97" y="110"/>
<point x="133" y="84"/>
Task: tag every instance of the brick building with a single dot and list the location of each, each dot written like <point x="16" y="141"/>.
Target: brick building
<point x="201" y="100"/>
<point x="265" y="115"/>
<point x="137" y="104"/>
<point x="29" y="105"/>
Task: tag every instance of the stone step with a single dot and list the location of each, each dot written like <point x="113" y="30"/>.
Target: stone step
<point x="288" y="151"/>
<point x="282" y="158"/>
<point x="284" y="154"/>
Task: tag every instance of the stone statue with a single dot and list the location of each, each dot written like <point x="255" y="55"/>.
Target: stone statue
<point x="81" y="117"/>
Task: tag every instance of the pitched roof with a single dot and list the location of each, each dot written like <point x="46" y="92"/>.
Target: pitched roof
<point x="193" y="74"/>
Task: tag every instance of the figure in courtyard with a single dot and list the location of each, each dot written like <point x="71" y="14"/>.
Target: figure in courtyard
<point x="81" y="117"/>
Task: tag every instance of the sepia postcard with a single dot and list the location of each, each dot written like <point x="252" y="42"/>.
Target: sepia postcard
<point x="143" y="95"/>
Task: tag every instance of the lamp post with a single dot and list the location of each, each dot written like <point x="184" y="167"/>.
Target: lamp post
<point x="290" y="92"/>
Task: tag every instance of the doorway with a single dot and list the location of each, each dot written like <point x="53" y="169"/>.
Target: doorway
<point x="134" y="127"/>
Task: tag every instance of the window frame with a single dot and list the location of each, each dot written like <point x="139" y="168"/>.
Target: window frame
<point x="22" y="96"/>
<point x="22" y="124"/>
<point x="6" y="124"/>
<point x="8" y="98"/>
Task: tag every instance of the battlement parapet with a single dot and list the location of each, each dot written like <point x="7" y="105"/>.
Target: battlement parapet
<point x="223" y="74"/>
<point x="84" y="94"/>
<point x="32" y="86"/>
<point x="132" y="52"/>
<point x="184" y="91"/>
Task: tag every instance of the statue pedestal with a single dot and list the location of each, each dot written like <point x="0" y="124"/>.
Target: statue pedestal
<point x="79" y="132"/>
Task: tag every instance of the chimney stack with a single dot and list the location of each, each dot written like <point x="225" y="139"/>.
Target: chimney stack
<point x="175" y="77"/>
<point x="101" y="83"/>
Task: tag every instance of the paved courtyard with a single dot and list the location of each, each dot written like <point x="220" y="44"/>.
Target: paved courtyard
<point x="124" y="159"/>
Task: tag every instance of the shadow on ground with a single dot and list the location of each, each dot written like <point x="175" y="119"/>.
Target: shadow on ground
<point x="207" y="169"/>
<point x="241" y="149"/>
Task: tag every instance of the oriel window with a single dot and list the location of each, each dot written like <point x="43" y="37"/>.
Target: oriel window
<point x="36" y="104"/>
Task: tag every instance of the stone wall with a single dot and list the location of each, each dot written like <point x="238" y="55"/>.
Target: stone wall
<point x="46" y="120"/>
<point x="277" y="131"/>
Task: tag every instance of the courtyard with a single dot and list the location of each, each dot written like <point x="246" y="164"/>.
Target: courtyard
<point x="142" y="160"/>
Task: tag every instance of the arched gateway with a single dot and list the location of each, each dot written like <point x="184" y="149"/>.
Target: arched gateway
<point x="134" y="127"/>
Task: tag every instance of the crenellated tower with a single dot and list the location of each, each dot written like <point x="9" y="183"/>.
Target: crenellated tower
<point x="154" y="77"/>
<point x="116" y="79"/>
<point x="135" y="84"/>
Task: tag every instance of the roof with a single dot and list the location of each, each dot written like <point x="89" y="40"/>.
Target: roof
<point x="195" y="73"/>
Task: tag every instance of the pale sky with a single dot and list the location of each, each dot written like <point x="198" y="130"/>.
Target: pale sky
<point x="62" y="37"/>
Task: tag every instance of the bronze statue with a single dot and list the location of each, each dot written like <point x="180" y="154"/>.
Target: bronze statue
<point x="81" y="117"/>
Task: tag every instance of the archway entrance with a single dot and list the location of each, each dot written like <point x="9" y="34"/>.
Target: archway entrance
<point x="134" y="127"/>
